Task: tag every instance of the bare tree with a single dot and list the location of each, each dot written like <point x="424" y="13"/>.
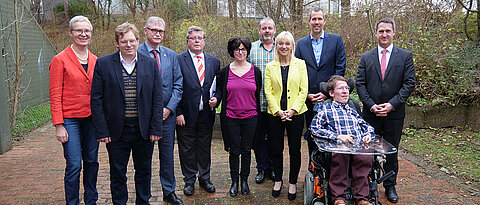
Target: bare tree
<point x="345" y="7"/>
<point x="65" y="9"/>
<point x="232" y="9"/>
<point x="469" y="10"/>
<point x="132" y="6"/>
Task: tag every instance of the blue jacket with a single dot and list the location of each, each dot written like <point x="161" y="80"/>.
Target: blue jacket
<point x="171" y="75"/>
<point x="332" y="60"/>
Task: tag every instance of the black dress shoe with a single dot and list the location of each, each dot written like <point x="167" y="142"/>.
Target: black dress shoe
<point x="244" y="187"/>
<point x="271" y="174"/>
<point x="172" y="198"/>
<point x="276" y="193"/>
<point x="188" y="189"/>
<point x="391" y="194"/>
<point x="207" y="186"/>
<point x="234" y="188"/>
<point x="260" y="177"/>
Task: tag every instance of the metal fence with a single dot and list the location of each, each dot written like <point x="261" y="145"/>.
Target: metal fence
<point x="36" y="52"/>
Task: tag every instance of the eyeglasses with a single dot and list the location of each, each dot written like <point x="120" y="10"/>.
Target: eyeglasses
<point x="124" y="43"/>
<point x="195" y="38"/>
<point x="80" y="32"/>
<point x="155" y="31"/>
<point x="239" y="50"/>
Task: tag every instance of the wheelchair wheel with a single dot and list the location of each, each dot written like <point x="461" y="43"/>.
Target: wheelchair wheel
<point x="308" y="188"/>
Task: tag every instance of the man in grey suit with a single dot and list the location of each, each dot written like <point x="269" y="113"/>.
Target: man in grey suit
<point x="385" y="79"/>
<point x="172" y="93"/>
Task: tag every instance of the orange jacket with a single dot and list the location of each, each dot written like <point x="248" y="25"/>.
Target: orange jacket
<point x="70" y="86"/>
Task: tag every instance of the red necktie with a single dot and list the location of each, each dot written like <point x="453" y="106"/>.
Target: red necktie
<point x="157" y="58"/>
<point x="200" y="70"/>
<point x="383" y="63"/>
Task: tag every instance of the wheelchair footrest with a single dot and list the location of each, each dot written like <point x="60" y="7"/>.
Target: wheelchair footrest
<point x="386" y="176"/>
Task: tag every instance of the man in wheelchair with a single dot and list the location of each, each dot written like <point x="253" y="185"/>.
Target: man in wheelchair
<point x="336" y="120"/>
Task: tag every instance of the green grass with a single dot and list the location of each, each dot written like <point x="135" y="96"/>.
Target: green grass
<point x="455" y="149"/>
<point x="30" y="119"/>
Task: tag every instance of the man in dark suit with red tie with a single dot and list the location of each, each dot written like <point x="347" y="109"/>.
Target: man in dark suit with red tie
<point x="385" y="79"/>
<point x="195" y="115"/>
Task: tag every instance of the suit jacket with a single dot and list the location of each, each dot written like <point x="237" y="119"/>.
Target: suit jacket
<point x="332" y="60"/>
<point x="171" y="76"/>
<point x="222" y="94"/>
<point x="108" y="97"/>
<point x="192" y="90"/>
<point x="297" y="86"/>
<point x="395" y="88"/>
<point x="70" y="86"/>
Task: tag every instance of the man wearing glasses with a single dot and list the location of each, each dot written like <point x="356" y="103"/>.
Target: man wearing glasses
<point x="195" y="116"/>
<point x="172" y="93"/>
<point x="126" y="103"/>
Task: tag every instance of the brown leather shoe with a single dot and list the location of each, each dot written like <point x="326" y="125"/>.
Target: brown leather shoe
<point x="340" y="202"/>
<point x="363" y="202"/>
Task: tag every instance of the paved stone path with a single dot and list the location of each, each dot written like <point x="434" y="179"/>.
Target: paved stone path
<point x="32" y="173"/>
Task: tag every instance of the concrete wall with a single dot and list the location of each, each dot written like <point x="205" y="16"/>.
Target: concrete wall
<point x="443" y="116"/>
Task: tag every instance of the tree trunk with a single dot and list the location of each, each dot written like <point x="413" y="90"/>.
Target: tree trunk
<point x="278" y="12"/>
<point x="296" y="14"/>
<point x="345" y="8"/>
<point x="65" y="7"/>
<point x="109" y="8"/>
<point x="230" y="8"/>
<point x="18" y="69"/>
<point x="478" y="24"/>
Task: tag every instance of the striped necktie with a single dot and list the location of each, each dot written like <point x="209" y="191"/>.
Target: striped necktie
<point x="200" y="69"/>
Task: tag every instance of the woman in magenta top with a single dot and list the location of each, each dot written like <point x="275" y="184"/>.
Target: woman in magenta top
<point x="238" y="86"/>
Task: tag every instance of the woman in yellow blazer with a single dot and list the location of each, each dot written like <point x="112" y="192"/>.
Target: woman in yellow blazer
<point x="286" y="88"/>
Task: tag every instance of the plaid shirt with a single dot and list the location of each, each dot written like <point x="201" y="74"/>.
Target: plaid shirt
<point x="259" y="57"/>
<point x="335" y="119"/>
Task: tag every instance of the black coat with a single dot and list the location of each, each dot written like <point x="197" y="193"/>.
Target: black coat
<point x="108" y="97"/>
<point x="221" y="96"/>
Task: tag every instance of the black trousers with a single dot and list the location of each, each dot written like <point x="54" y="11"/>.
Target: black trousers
<point x="309" y="115"/>
<point x="294" y="134"/>
<point x="119" y="154"/>
<point x="391" y="131"/>
<point x="241" y="133"/>
<point x="261" y="144"/>
<point x="194" y="148"/>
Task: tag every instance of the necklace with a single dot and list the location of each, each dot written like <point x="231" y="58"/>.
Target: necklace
<point x="82" y="59"/>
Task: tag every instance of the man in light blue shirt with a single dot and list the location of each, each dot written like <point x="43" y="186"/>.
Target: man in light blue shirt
<point x="324" y="54"/>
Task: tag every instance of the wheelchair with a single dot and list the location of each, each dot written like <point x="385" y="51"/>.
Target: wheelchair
<point x="316" y="180"/>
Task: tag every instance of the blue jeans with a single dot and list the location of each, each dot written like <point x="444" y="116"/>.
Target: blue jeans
<point x="82" y="144"/>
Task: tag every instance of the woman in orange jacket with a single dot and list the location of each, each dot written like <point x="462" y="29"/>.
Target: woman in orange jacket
<point x="71" y="73"/>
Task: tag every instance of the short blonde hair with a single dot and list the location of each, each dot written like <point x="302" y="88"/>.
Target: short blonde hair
<point x="284" y="35"/>
<point x="124" y="28"/>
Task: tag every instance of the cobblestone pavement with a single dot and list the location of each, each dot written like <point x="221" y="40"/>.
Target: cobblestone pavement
<point x="32" y="173"/>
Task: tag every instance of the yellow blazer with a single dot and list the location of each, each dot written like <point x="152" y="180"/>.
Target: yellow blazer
<point x="297" y="86"/>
